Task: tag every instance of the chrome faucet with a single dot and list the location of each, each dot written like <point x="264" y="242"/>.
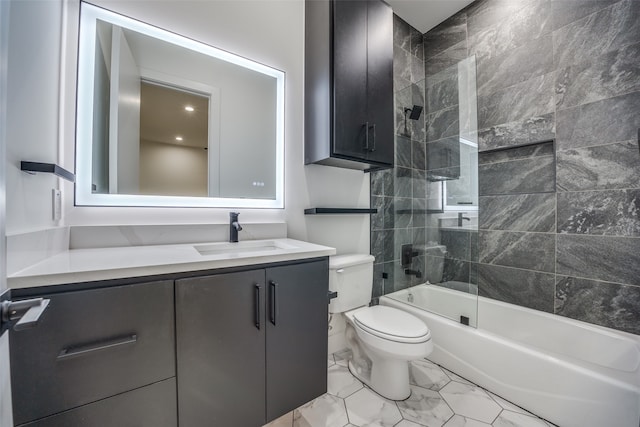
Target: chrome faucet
<point x="461" y="217"/>
<point x="234" y="226"/>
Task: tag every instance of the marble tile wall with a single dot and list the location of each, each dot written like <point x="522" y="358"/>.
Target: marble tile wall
<point x="560" y="222"/>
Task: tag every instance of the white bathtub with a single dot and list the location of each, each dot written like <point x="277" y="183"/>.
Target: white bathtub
<point x="569" y="372"/>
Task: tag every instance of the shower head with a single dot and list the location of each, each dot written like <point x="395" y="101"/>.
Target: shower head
<point x="416" y="111"/>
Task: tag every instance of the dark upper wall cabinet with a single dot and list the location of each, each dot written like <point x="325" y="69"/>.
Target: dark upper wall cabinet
<point x="349" y="84"/>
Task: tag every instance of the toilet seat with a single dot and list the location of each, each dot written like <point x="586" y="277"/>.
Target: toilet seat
<point x="392" y="324"/>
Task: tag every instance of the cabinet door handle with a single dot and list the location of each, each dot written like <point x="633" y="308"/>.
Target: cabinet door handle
<point x="85" y="349"/>
<point x="374" y="137"/>
<point x="273" y="308"/>
<point x="366" y="136"/>
<point x="256" y="302"/>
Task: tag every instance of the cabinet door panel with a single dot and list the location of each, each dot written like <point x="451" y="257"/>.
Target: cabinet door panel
<point x="349" y="78"/>
<point x="297" y="343"/>
<point x="220" y="350"/>
<point x="380" y="81"/>
<point x="90" y="345"/>
<point x="150" y="406"/>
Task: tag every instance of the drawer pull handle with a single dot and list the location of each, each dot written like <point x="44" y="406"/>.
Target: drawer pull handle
<point x="273" y="309"/>
<point x="82" y="350"/>
<point x="256" y="306"/>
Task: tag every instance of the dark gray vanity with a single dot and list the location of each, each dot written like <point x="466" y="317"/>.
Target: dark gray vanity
<point x="232" y="346"/>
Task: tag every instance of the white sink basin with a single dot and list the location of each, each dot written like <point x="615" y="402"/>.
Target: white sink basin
<point x="246" y="248"/>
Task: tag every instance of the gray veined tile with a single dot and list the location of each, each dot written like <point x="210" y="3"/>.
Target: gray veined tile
<point x="426" y="374"/>
<point x="470" y="401"/>
<point x="487" y="13"/>
<point x="443" y="153"/>
<point x="441" y="95"/>
<point x="612" y="259"/>
<point x="523" y="212"/>
<point x="522" y="101"/>
<point x="567" y="11"/>
<point x="443" y="123"/>
<point x="460" y="421"/>
<point x="417" y="69"/>
<point x="418" y="155"/>
<point x="531" y="21"/>
<point x="521" y="287"/>
<point x="366" y="408"/>
<point x="425" y="407"/>
<point x="612" y="166"/>
<point x="532" y="59"/>
<point x="532" y="129"/>
<point x="403" y="151"/>
<point x="531" y="251"/>
<point x="615" y="212"/>
<point x="324" y="411"/>
<point x="432" y="79"/>
<point x="601" y="122"/>
<point x="445" y="62"/>
<point x="517" y="177"/>
<point x="401" y="33"/>
<point x="401" y="68"/>
<point x="445" y="35"/>
<point x="512" y="419"/>
<point x="417" y="44"/>
<point x="402" y="182"/>
<point x="602" y="303"/>
<point x="608" y="75"/>
<point x="611" y="28"/>
<point x="456" y="242"/>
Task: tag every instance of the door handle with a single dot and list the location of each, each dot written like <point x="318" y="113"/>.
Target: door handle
<point x="366" y="136"/>
<point x="273" y="298"/>
<point x="374" y="137"/>
<point x="85" y="349"/>
<point x="256" y="302"/>
<point x="27" y="312"/>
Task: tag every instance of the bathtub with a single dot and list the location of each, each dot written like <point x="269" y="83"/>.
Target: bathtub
<point x="571" y="373"/>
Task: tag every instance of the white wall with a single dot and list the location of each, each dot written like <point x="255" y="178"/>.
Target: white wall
<point x="32" y="110"/>
<point x="271" y="32"/>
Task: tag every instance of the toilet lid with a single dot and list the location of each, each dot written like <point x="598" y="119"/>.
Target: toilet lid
<point x="391" y="323"/>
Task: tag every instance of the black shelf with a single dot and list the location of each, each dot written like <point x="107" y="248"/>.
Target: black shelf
<point x="33" y="167"/>
<point x="338" y="211"/>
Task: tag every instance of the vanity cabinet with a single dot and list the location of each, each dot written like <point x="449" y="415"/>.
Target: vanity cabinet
<point x="349" y="116"/>
<point x="91" y="345"/>
<point x="251" y="344"/>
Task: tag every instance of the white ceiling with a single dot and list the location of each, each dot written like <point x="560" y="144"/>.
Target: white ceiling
<point x="423" y="15"/>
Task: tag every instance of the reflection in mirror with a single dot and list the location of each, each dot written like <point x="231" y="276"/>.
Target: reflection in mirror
<point x="163" y="120"/>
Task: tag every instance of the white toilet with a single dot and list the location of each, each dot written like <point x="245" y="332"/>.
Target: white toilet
<point x="382" y="339"/>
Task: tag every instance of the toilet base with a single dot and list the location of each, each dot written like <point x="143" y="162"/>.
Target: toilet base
<point x="388" y="378"/>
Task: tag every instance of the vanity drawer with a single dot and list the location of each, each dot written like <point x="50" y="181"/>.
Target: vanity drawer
<point x="150" y="406"/>
<point x="90" y="345"/>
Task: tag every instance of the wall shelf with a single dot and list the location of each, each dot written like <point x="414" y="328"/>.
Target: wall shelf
<point x="338" y="211"/>
<point x="34" y="167"/>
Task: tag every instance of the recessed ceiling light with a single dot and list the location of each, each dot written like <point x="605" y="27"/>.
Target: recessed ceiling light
<point x="178" y="138"/>
<point x="189" y="108"/>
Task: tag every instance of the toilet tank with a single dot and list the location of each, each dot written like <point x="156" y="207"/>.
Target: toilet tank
<point x="352" y="277"/>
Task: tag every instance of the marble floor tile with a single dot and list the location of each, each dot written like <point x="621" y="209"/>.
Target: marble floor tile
<point x="425" y="407"/>
<point x="366" y="408"/>
<point x="460" y="421"/>
<point x="340" y="382"/>
<point x="507" y="405"/>
<point x="325" y="411"/>
<point x="427" y="375"/>
<point x="470" y="401"/>
<point x="407" y="423"/>
<point x="456" y="377"/>
<point x="342" y="357"/>
<point x="511" y="419"/>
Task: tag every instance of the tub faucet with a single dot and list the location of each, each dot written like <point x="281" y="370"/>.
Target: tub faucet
<point x="461" y="218"/>
<point x="416" y="273"/>
<point x="234" y="227"/>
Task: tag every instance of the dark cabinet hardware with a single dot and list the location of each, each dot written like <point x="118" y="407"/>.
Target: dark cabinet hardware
<point x="256" y="302"/>
<point x="338" y="211"/>
<point x="34" y="167"/>
<point x="27" y="312"/>
<point x="273" y="307"/>
<point x="86" y="349"/>
<point x="408" y="254"/>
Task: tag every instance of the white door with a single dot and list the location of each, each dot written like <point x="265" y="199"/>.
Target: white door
<point x="6" y="418"/>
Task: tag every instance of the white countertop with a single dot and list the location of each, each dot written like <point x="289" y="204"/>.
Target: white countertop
<point x="85" y="265"/>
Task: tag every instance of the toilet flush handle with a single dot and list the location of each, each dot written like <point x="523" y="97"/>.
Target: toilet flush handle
<point x="341" y="270"/>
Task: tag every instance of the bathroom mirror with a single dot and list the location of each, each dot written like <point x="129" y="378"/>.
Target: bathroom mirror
<point x="163" y="120"/>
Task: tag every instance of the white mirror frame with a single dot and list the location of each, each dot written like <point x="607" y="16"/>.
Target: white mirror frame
<point x="84" y="117"/>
